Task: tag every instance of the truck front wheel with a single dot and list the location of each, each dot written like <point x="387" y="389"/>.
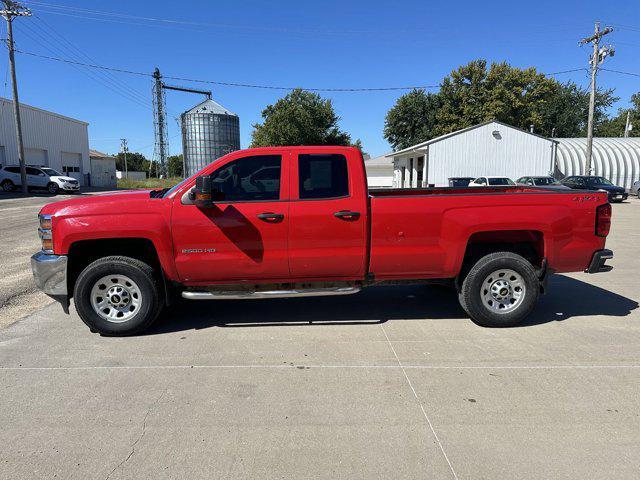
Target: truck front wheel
<point x="500" y="290"/>
<point x="118" y="296"/>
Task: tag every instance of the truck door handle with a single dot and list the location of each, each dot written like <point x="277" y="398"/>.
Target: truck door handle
<point x="347" y="215"/>
<point x="271" y="217"/>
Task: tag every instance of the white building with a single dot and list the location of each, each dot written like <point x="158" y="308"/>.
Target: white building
<point x="617" y="159"/>
<point x="492" y="148"/>
<point x="103" y="170"/>
<point x="379" y="171"/>
<point x="50" y="139"/>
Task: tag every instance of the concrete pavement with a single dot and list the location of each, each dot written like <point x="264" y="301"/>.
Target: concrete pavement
<point x="390" y="383"/>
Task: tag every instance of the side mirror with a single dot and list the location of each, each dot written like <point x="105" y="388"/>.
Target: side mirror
<point x="206" y="194"/>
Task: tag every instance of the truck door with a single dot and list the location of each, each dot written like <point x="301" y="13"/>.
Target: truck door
<point x="328" y="225"/>
<point x="244" y="236"/>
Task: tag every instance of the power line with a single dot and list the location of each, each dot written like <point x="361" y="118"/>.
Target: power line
<point x="226" y="84"/>
<point x="124" y="18"/>
<point x="248" y="85"/>
<point x="73" y="48"/>
<point x="621" y="72"/>
<point x="44" y="43"/>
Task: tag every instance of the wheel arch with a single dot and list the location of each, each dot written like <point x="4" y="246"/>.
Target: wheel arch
<point x="528" y="243"/>
<point x="83" y="252"/>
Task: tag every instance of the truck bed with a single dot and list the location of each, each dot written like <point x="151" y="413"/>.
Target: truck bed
<point x="424" y="233"/>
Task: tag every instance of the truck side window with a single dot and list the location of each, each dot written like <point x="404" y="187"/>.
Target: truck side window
<point x="254" y="178"/>
<point x="323" y="176"/>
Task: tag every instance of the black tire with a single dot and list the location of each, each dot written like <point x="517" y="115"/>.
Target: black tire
<point x="8" y="186"/>
<point x="473" y="288"/>
<point x="53" y="188"/>
<point x="144" y="278"/>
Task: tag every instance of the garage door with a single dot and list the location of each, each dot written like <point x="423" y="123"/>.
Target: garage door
<point x="103" y="173"/>
<point x="72" y="165"/>
<point x="36" y="156"/>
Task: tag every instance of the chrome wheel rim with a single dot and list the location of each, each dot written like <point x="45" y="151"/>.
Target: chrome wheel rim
<point x="116" y="298"/>
<point x="53" y="188"/>
<point x="503" y="291"/>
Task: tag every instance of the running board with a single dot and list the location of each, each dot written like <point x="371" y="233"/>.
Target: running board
<point x="238" y="295"/>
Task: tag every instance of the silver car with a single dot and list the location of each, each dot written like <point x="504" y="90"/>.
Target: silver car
<point x="547" y="182"/>
<point x="635" y="188"/>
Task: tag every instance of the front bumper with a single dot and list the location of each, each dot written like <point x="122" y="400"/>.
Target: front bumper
<point x="613" y="196"/>
<point x="597" y="261"/>
<point x="50" y="273"/>
<point x="72" y="188"/>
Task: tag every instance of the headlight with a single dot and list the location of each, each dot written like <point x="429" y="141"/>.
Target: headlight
<point x="45" y="233"/>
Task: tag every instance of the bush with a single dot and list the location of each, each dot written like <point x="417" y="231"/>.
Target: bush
<point x="152" y="183"/>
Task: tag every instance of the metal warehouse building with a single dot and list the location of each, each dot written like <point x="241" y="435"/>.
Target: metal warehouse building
<point x="617" y="159"/>
<point x="50" y="139"/>
<point x="492" y="148"/>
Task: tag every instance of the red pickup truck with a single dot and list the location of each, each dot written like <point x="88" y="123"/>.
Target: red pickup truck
<point x="300" y="221"/>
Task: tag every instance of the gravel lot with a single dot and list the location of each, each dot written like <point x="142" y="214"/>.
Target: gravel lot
<point x="18" y="241"/>
<point x="391" y="383"/>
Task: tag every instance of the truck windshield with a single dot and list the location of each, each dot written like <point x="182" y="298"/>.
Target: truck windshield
<point x="169" y="191"/>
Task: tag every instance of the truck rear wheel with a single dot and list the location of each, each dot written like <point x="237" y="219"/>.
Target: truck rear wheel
<point x="118" y="296"/>
<point x="500" y="290"/>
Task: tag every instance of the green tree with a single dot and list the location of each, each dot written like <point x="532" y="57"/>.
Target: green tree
<point x="614" y="127"/>
<point x="174" y="165"/>
<point x="476" y="93"/>
<point x="412" y="119"/>
<point x="136" y="162"/>
<point x="300" y="118"/>
<point x="358" y="145"/>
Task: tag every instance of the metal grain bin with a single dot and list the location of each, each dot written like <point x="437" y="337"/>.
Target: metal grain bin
<point x="209" y="131"/>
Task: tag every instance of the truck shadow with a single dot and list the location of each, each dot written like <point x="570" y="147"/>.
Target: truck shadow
<point x="567" y="298"/>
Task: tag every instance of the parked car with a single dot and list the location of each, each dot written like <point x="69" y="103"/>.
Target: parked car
<point x="491" y="182"/>
<point x="635" y="188"/>
<point x="589" y="182"/>
<point x="37" y="178"/>
<point x="460" y="181"/>
<point x="316" y="230"/>
<point x="546" y="182"/>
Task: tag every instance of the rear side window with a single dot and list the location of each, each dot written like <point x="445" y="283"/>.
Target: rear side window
<point x="13" y="169"/>
<point x="323" y="176"/>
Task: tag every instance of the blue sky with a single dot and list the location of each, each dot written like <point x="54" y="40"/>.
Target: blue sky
<point x="329" y="44"/>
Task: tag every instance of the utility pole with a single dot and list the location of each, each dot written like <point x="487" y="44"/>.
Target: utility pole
<point x="124" y="150"/>
<point x="160" y="121"/>
<point x="627" y="126"/>
<point x="598" y="56"/>
<point x="11" y="10"/>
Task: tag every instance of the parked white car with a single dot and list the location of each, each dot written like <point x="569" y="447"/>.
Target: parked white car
<point x="635" y="188"/>
<point x="37" y="177"/>
<point x="492" y="182"/>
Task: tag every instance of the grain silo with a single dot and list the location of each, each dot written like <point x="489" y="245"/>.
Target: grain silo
<point x="209" y="131"/>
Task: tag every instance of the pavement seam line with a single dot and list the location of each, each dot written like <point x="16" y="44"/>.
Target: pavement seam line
<point x="446" y="457"/>
<point x="283" y="367"/>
